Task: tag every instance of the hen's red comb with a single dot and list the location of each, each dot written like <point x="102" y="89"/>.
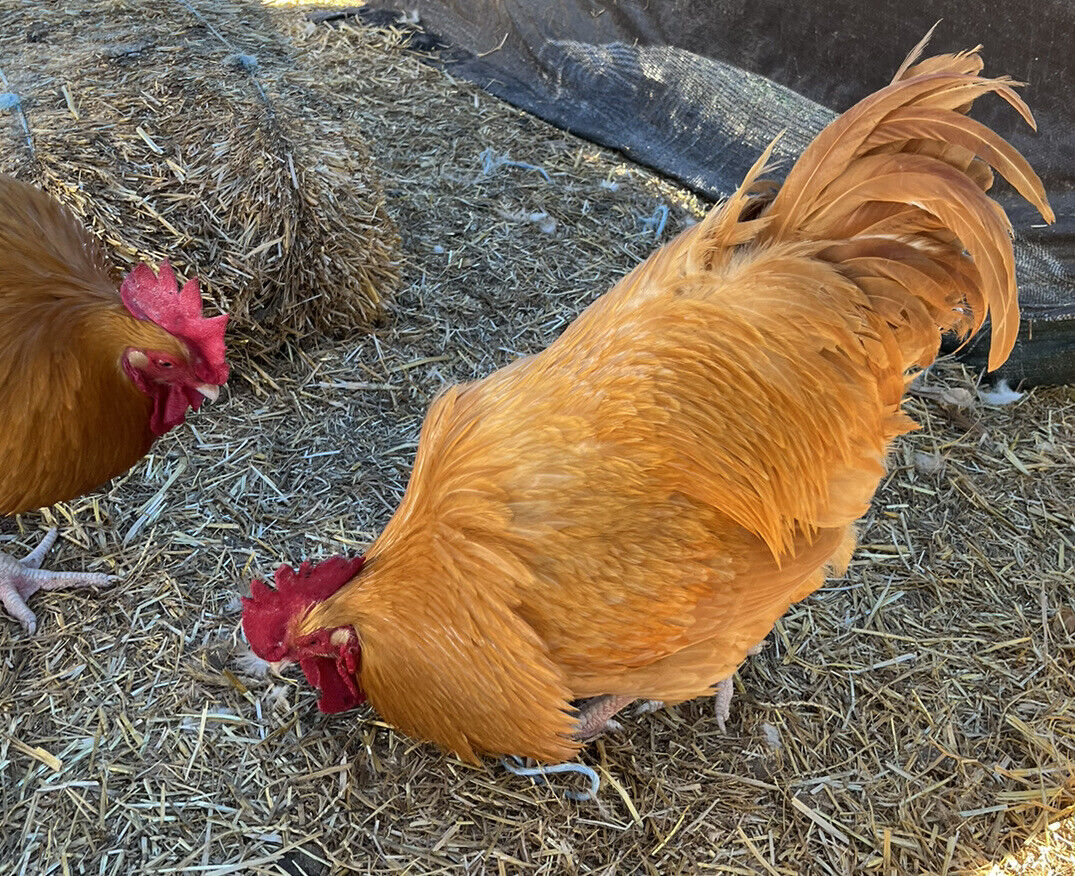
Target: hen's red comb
<point x="158" y="298"/>
<point x="268" y="610"/>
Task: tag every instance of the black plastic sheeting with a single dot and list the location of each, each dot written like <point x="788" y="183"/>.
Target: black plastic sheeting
<point x="696" y="89"/>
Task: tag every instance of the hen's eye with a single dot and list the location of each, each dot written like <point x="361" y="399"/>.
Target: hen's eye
<point x="164" y="363"/>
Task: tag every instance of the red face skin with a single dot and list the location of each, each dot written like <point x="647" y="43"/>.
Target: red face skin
<point x="172" y="384"/>
<point x="330" y="659"/>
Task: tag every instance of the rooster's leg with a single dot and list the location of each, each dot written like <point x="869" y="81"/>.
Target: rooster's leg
<point x="722" y="702"/>
<point x="724" y="692"/>
<point x="20" y="579"/>
<point x="722" y="705"/>
<point x="595" y="716"/>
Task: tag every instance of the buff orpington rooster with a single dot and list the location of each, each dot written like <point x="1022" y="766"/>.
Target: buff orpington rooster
<point x="93" y="369"/>
<point x="626" y="514"/>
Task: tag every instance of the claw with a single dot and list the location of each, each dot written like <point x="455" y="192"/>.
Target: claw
<point x="16" y="606"/>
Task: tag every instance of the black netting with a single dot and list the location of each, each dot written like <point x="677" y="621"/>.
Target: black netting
<point x="697" y="88"/>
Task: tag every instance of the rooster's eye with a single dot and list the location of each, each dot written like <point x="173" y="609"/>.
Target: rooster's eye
<point x="164" y="363"/>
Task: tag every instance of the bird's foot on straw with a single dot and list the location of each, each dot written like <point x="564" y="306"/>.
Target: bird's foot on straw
<point x="20" y="579"/>
<point x="722" y="702"/>
<point x="596" y="716"/>
<point x="724" y="692"/>
<point x="647" y="706"/>
<point x="540" y="775"/>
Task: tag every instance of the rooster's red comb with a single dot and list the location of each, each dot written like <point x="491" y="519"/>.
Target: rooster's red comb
<point x="268" y="611"/>
<point x="158" y="298"/>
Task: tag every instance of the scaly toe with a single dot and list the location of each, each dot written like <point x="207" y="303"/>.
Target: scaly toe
<point x="595" y="716"/>
<point x="45" y="579"/>
<point x="647" y="706"/>
<point x="15" y="604"/>
<point x="34" y="559"/>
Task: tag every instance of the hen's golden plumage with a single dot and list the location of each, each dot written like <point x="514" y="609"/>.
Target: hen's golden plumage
<point x="630" y="510"/>
<point x="93" y="368"/>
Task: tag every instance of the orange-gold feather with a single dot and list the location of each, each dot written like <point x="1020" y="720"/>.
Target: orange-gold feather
<point x="630" y="510"/>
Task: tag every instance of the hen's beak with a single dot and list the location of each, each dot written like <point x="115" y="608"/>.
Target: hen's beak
<point x="277" y="667"/>
<point x="209" y="390"/>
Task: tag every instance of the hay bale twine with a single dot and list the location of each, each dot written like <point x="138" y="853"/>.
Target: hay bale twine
<point x="196" y="131"/>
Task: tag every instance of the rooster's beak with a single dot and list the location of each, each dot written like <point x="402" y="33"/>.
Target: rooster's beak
<point x="210" y="391"/>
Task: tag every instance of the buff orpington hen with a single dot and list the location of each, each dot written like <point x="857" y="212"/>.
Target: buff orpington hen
<point x="93" y="369"/>
<point x="626" y="514"/>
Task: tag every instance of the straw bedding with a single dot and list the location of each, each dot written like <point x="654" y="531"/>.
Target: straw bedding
<point x="198" y="131"/>
<point x="915" y="716"/>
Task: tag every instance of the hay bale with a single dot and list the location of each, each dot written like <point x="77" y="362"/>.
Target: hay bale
<point x="196" y="131"/>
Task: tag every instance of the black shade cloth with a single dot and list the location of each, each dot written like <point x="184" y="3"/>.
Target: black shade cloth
<point x="697" y="88"/>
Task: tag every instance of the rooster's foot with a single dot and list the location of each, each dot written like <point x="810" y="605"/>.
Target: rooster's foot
<point x="722" y="705"/>
<point x="647" y="706"/>
<point x="596" y="716"/>
<point x="722" y="702"/>
<point x="20" y="579"/>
